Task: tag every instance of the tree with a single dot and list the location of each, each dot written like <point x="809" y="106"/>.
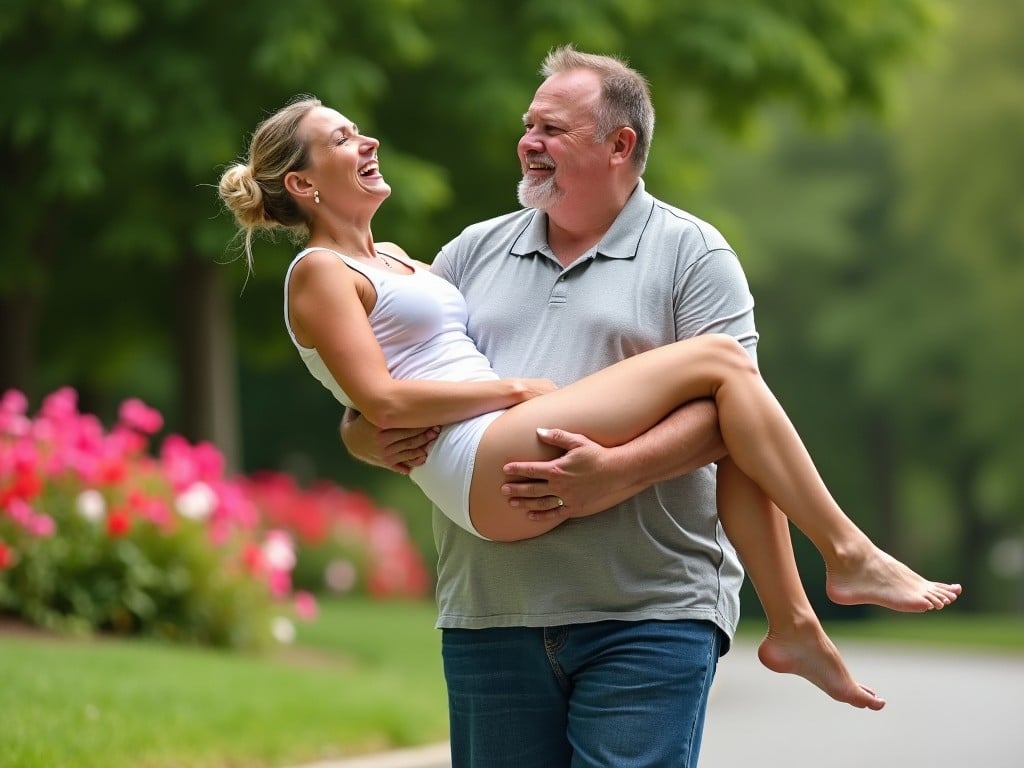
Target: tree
<point x="119" y="114"/>
<point x="886" y="262"/>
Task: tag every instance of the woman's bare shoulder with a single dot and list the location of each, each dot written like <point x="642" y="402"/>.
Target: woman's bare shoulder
<point x="393" y="249"/>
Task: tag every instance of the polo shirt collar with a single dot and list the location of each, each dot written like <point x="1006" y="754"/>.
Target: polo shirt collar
<point x="619" y="242"/>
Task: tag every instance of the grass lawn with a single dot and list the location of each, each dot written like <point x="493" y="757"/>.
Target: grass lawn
<point x="967" y="632"/>
<point x="363" y="677"/>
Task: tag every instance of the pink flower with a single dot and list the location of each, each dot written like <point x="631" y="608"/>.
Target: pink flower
<point x="13" y="402"/>
<point x="42" y="526"/>
<point x="185" y="464"/>
<point x="35" y="524"/>
<point x="136" y="414"/>
<point x="13" y="421"/>
<point x="61" y="405"/>
<point x="306" y="607"/>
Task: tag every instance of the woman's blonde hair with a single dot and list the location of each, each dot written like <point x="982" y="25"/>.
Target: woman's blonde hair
<point x="254" y="191"/>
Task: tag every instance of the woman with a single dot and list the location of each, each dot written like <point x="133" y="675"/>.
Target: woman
<point x="386" y="336"/>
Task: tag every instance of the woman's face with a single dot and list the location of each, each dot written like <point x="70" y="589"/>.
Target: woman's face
<point x="343" y="164"/>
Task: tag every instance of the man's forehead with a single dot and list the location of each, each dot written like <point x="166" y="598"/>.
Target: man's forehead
<point x="565" y="92"/>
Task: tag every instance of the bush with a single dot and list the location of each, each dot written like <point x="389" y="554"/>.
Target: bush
<point x="344" y="543"/>
<point x="96" y="534"/>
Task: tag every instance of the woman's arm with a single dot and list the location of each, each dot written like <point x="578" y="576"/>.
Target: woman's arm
<point x="329" y="305"/>
<point x="399" y="450"/>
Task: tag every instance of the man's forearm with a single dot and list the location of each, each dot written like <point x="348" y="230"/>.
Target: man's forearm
<point x="684" y="441"/>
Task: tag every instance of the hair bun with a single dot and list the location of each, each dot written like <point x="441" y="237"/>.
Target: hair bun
<point x="242" y="195"/>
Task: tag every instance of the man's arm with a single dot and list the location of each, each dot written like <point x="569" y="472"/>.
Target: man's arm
<point x="590" y="478"/>
<point x="396" y="449"/>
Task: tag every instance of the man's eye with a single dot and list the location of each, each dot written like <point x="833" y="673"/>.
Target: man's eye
<point x="341" y="141"/>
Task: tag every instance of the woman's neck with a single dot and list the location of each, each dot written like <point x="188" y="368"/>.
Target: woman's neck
<point x="347" y="240"/>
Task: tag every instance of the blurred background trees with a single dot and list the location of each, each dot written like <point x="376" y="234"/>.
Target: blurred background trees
<point x="862" y="156"/>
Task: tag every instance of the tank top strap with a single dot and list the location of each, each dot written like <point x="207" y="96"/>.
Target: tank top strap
<point x="350" y="262"/>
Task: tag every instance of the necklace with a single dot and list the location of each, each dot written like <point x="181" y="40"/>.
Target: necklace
<point x="385" y="259"/>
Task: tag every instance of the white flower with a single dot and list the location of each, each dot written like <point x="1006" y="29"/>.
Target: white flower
<point x="283" y="630"/>
<point x="91" y="505"/>
<point x="278" y="551"/>
<point x="197" y="502"/>
<point x="340" y="576"/>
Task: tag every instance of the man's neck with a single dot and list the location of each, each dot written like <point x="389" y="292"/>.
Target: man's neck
<point x="574" y="227"/>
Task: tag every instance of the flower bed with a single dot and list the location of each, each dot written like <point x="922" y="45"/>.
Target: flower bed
<point x="98" y="534"/>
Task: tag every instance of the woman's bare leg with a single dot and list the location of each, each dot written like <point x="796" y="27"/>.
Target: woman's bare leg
<point x="796" y="642"/>
<point x="622" y="401"/>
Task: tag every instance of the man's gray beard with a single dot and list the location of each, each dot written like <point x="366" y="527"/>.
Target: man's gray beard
<point x="540" y="195"/>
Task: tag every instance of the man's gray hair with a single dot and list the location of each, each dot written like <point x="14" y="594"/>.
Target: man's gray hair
<point x="625" y="96"/>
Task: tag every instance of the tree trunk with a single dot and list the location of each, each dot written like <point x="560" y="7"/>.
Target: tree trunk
<point x="975" y="537"/>
<point x="19" y="335"/>
<point x="207" y="365"/>
<point x="887" y="533"/>
<point x="21" y="305"/>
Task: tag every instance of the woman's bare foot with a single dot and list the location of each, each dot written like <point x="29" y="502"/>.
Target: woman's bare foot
<point x="874" y="577"/>
<point x="810" y="654"/>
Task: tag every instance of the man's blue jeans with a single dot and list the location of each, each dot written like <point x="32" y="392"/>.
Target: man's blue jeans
<point x="611" y="694"/>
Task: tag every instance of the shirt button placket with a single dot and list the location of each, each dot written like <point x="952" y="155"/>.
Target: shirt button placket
<point x="559" y="291"/>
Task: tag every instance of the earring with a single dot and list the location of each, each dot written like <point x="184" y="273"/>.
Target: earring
<point x="316" y="196"/>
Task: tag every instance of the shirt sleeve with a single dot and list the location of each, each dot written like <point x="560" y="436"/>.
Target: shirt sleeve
<point x="714" y="297"/>
<point x="442" y="265"/>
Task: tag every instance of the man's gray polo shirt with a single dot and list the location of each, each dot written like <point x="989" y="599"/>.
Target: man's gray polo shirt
<point x="658" y="275"/>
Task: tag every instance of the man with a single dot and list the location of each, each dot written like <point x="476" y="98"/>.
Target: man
<point x="595" y="644"/>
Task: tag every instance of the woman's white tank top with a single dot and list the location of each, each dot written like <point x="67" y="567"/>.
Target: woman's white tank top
<point x="419" y="320"/>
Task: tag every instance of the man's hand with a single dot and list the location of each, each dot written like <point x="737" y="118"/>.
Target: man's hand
<point x="590" y="478"/>
<point x="585" y="479"/>
<point x="396" y="449"/>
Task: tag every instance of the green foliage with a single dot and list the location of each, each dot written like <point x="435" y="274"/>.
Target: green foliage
<point x="122" y="114"/>
<point x="168" y="584"/>
<point x="886" y="262"/>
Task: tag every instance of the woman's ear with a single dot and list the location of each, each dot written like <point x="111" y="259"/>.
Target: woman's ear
<point x="298" y="185"/>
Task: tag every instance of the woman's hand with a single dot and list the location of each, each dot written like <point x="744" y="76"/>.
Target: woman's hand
<point x="396" y="449"/>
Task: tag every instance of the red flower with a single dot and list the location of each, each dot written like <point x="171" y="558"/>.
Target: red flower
<point x="252" y="557"/>
<point x="119" y="523"/>
<point x="7" y="557"/>
<point x="25" y="485"/>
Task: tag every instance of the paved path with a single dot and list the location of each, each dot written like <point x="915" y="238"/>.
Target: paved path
<point x="945" y="710"/>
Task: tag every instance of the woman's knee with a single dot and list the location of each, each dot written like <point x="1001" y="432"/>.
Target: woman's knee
<point x="728" y="353"/>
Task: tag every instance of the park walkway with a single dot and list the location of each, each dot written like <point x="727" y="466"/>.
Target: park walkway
<point x="431" y="756"/>
<point x="946" y="709"/>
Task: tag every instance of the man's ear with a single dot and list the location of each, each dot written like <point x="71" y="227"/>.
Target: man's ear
<point x="623" y="143"/>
